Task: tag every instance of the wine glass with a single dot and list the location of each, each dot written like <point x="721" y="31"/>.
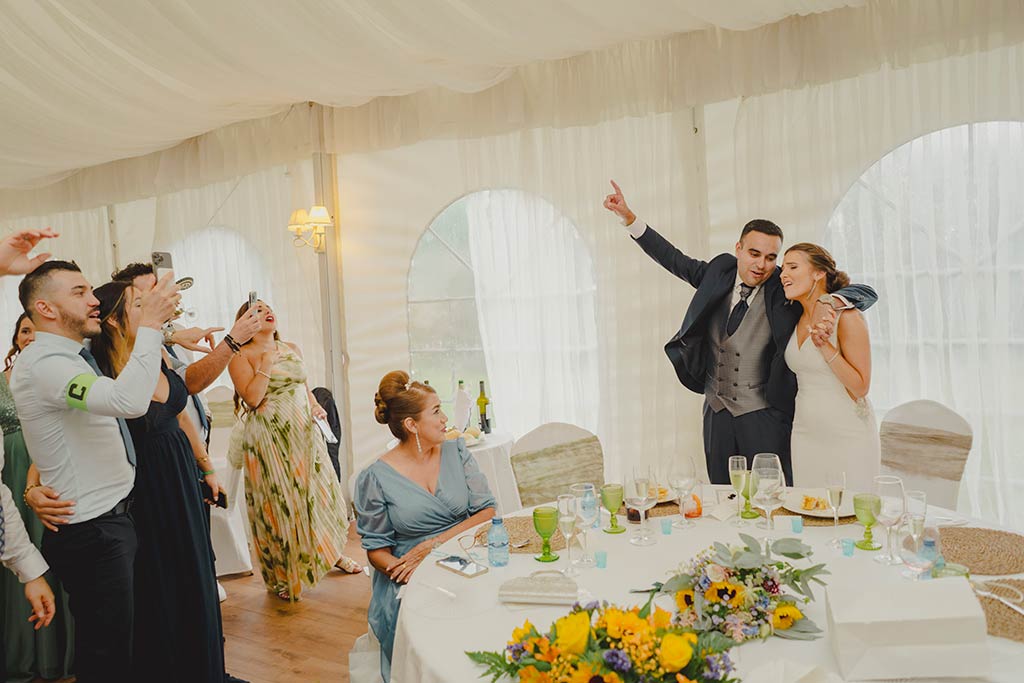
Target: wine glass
<point x="892" y="507"/>
<point x="767" y="483"/>
<point x="739" y="477"/>
<point x="914" y="525"/>
<point x="641" y="494"/>
<point x="683" y="478"/>
<point x="835" y="488"/>
<point x="918" y="552"/>
<point x="865" y="506"/>
<point x="587" y="512"/>
<point x="611" y="498"/>
<point x="567" y="524"/>
<point x="545" y="521"/>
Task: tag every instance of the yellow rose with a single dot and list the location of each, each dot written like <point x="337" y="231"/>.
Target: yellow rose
<point x="573" y="633"/>
<point x="676" y="650"/>
<point x="784" y="616"/>
<point x="612" y="621"/>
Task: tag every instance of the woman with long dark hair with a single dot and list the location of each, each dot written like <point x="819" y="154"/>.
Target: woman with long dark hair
<point x="178" y="634"/>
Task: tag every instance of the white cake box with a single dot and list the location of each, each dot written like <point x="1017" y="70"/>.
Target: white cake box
<point x="915" y="629"/>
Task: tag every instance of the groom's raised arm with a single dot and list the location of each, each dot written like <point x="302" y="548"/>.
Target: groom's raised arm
<point x="654" y="245"/>
<point x="861" y="297"/>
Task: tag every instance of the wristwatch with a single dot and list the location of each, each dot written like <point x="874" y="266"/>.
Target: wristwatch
<point x="168" y="332"/>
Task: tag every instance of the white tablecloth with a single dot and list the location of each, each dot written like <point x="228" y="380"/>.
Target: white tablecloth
<point x="229" y="528"/>
<point x="435" y="631"/>
<point x="492" y="454"/>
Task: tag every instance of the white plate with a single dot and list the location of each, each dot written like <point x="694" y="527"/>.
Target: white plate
<point x="470" y="441"/>
<point x="795" y="499"/>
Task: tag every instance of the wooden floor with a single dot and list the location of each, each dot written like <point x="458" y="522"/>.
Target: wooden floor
<point x="272" y="641"/>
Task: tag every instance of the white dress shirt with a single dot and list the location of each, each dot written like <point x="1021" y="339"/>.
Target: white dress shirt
<point x="68" y="417"/>
<point x="19" y="555"/>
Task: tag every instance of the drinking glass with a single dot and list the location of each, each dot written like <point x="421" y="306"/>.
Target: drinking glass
<point x="917" y="512"/>
<point x="913" y="552"/>
<point x="892" y="507"/>
<point x="865" y="506"/>
<point x="835" y="489"/>
<point x="739" y="477"/>
<point x="767" y="484"/>
<point x="641" y="494"/>
<point x="545" y="521"/>
<point x="611" y="498"/>
<point x="587" y="512"/>
<point x="683" y="479"/>
<point x="567" y="524"/>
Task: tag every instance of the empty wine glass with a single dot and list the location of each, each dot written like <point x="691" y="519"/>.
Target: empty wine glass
<point x="917" y="511"/>
<point x="835" y="489"/>
<point x="641" y="494"/>
<point x="588" y="512"/>
<point x="892" y="507"/>
<point x="683" y="478"/>
<point x="739" y="477"/>
<point x="766" y="484"/>
<point x="567" y="524"/>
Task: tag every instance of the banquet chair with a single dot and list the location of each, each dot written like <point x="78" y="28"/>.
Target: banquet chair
<point x="547" y="460"/>
<point x="229" y="528"/>
<point x="926" y="444"/>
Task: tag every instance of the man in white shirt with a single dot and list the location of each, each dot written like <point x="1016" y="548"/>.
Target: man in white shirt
<point x="73" y="421"/>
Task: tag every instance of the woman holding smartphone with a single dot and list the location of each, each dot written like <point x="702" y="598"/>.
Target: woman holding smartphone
<point x="297" y="511"/>
<point x="421" y="493"/>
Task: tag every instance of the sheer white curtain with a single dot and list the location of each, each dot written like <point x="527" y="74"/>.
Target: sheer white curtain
<point x="932" y="227"/>
<point x="535" y="299"/>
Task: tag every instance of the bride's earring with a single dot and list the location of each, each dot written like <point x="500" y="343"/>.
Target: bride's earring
<point x="418" y="446"/>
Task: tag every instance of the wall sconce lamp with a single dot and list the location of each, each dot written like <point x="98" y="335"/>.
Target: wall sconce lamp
<point x="309" y="228"/>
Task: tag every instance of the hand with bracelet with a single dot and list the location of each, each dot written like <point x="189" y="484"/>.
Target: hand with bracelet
<point x="46" y="503"/>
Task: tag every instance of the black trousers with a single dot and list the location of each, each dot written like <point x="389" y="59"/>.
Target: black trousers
<point x="761" y="431"/>
<point x="95" y="562"/>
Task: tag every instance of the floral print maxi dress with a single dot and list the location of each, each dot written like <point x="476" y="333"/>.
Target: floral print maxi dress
<point x="295" y="502"/>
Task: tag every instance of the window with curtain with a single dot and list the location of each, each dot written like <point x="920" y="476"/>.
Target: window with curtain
<point x="222" y="284"/>
<point x="937" y="225"/>
<point x="502" y="289"/>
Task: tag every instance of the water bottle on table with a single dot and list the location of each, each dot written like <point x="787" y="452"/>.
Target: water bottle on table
<point x="497" y="543"/>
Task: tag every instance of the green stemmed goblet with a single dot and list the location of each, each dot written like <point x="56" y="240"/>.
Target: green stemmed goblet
<point x="749" y="489"/>
<point x="545" y="521"/>
<point x="866" y="506"/>
<point x="611" y="498"/>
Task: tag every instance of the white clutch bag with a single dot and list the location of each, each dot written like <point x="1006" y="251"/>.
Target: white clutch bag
<point x="544" y="587"/>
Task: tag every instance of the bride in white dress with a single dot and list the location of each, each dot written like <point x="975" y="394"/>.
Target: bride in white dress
<point x="834" y="427"/>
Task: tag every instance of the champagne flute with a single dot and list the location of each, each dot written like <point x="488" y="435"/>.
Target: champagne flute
<point x="892" y="507"/>
<point x="767" y="483"/>
<point x="683" y="478"/>
<point x="914" y="550"/>
<point x="865" y="506"/>
<point x="545" y="521"/>
<point x="639" y="496"/>
<point x="588" y="512"/>
<point x="567" y="524"/>
<point x="611" y="498"/>
<point x="739" y="477"/>
<point x="835" y="487"/>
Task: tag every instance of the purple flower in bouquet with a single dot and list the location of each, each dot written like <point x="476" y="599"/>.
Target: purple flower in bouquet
<point x="717" y="667"/>
<point x="515" y="651"/>
<point x="703" y="583"/>
<point x="617" y="660"/>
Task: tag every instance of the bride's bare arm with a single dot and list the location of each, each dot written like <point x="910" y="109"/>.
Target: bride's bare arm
<point x="853" y="366"/>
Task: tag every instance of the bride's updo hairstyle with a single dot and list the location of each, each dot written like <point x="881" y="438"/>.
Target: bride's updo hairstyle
<point x="821" y="260"/>
<point x="398" y="398"/>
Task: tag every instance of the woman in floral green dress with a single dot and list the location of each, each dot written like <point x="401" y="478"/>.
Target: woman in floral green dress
<point x="296" y="507"/>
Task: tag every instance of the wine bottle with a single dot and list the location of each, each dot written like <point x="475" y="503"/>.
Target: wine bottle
<point x="481" y="402"/>
<point x="463" y="407"/>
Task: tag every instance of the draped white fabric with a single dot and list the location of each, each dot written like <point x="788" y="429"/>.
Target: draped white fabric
<point x="935" y="227"/>
<point x="535" y="299"/>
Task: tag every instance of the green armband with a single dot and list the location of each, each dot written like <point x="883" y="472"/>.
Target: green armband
<point x="78" y="390"/>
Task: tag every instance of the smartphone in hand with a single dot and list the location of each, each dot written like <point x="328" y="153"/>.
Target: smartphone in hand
<point x="162" y="263"/>
<point x="252" y="298"/>
<point x="222" y="499"/>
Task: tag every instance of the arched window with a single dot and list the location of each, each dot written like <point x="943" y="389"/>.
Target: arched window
<point x="937" y="226"/>
<point x="501" y="288"/>
<point x="226" y="267"/>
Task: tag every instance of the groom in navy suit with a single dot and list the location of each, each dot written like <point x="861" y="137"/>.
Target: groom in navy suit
<point x="732" y="342"/>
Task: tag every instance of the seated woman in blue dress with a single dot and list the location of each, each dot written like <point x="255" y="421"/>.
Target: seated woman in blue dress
<point x="421" y="493"/>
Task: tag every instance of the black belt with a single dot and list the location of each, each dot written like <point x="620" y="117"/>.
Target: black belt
<point x="122" y="508"/>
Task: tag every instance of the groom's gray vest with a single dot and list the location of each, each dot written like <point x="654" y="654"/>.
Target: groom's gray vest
<point x="737" y="368"/>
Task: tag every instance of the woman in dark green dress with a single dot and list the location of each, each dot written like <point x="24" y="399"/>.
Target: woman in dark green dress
<point x="47" y="652"/>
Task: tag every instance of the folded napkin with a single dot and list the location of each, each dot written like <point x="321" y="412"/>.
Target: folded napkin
<point x="787" y="671"/>
<point x="724" y="510"/>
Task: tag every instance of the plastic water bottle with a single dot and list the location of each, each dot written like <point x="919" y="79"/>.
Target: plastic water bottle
<point x="497" y="543"/>
<point x="931" y="552"/>
<point x="589" y="503"/>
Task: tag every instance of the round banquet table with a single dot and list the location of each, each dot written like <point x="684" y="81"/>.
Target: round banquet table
<point x="435" y="630"/>
<point x="492" y="455"/>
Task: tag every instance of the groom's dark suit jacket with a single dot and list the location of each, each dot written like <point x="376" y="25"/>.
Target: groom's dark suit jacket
<point x="714" y="280"/>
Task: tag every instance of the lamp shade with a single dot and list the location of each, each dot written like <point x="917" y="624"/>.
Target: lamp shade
<point x="298" y="221"/>
<point x="318" y="216"/>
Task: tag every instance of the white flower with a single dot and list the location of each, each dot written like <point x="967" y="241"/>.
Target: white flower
<point x="716" y="572"/>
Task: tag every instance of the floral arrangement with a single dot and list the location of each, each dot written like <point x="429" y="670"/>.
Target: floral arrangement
<point x="739" y="591"/>
<point x="602" y="643"/>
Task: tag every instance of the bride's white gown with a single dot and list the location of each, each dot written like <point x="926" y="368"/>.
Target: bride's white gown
<point x="831" y="433"/>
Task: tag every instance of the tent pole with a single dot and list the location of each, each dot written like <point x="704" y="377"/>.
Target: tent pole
<point x="332" y="300"/>
<point x="112" y="237"/>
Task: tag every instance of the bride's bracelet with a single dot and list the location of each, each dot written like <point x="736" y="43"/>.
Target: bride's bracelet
<point x="836" y="355"/>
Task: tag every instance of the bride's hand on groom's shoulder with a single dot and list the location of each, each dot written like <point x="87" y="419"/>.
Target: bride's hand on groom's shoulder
<point x="823" y="326"/>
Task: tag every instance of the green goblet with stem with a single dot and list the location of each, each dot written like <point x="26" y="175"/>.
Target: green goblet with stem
<point x="611" y="498"/>
<point x="545" y="521"/>
<point x="866" y="506"/>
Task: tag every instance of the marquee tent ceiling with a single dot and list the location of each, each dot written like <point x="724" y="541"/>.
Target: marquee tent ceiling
<point x="86" y="82"/>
